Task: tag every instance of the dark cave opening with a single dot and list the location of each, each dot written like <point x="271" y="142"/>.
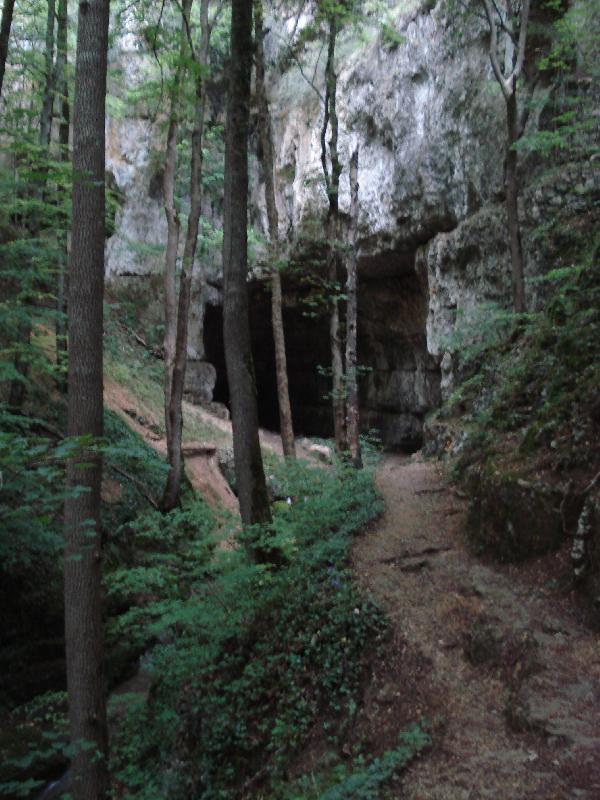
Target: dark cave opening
<point x="306" y="346"/>
<point x="400" y="380"/>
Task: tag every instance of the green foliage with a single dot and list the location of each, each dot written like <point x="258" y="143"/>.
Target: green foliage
<point x="33" y="744"/>
<point x="541" y="381"/>
<point x="390" y="37"/>
<point x="31" y="496"/>
<point x="568" y="129"/>
<point x="254" y="655"/>
<point x="366" y="780"/>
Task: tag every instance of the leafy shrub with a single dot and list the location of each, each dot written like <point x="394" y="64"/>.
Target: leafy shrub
<point x="541" y="381"/>
<point x="255" y="655"/>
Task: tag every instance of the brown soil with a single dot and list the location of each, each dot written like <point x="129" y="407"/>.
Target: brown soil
<point x="498" y="662"/>
<point x="201" y="465"/>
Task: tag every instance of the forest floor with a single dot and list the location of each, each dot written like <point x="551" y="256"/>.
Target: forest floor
<point x="493" y="656"/>
<point x="496" y="658"/>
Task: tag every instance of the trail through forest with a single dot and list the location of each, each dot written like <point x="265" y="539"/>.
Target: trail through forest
<point x="493" y="657"/>
<point x="504" y="672"/>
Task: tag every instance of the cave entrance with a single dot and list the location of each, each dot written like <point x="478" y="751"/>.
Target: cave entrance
<point x="307" y="347"/>
<point x="400" y="381"/>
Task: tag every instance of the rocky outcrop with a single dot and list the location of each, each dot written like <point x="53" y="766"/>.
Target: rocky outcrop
<point x="429" y="122"/>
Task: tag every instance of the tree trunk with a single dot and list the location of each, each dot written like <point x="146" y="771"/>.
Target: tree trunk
<point x="62" y="86"/>
<point x="62" y="81"/>
<point x="353" y="416"/>
<point x="7" y="15"/>
<point x="175" y="411"/>
<point x="266" y="140"/>
<point x="173" y="222"/>
<point x="338" y="392"/>
<point x="250" y="477"/>
<point x="48" y="95"/>
<point x="83" y="597"/>
<point x="338" y="389"/>
<point x="512" y="205"/>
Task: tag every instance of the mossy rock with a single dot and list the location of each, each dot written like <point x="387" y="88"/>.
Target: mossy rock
<point x="511" y="518"/>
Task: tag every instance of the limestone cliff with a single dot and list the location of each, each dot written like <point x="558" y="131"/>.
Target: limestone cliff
<point x="429" y="122"/>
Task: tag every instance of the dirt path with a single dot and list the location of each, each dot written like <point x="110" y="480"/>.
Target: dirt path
<point x="507" y="675"/>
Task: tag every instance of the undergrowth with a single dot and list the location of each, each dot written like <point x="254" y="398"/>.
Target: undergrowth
<point x="254" y="658"/>
<point x="536" y="378"/>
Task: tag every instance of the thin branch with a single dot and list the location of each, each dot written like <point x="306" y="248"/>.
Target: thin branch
<point x="188" y="30"/>
<point x="158" y="61"/>
<point x="311" y="83"/>
<point x="317" y="62"/>
<point x="592" y="483"/>
<point x="504" y="85"/>
<point x="522" y="40"/>
<point x="136" y="482"/>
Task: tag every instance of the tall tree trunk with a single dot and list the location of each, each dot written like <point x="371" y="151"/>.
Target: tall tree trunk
<point x="332" y="182"/>
<point x="49" y="87"/>
<point x="515" y="25"/>
<point x="338" y="388"/>
<point x="83" y="597"/>
<point x="62" y="86"/>
<point x="7" y="16"/>
<point x="175" y="411"/>
<point x="353" y="415"/>
<point x="512" y="205"/>
<point x="266" y="140"/>
<point x="62" y="79"/>
<point x="173" y="222"/>
<point x="250" y="476"/>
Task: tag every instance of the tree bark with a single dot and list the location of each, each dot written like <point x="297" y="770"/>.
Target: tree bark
<point x="5" y="25"/>
<point x="173" y="222"/>
<point x="512" y="206"/>
<point x="83" y="597"/>
<point x="48" y="95"/>
<point x="175" y="411"/>
<point x="250" y="477"/>
<point x="266" y="140"/>
<point x="508" y="84"/>
<point x="353" y="415"/>
<point x="62" y="87"/>
<point x="332" y="182"/>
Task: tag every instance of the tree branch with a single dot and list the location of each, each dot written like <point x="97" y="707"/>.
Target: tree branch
<point x="504" y="84"/>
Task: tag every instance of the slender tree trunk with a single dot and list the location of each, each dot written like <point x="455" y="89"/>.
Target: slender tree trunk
<point x="49" y="87"/>
<point x="338" y="389"/>
<point x="332" y="181"/>
<point x="62" y="86"/>
<point x="512" y="205"/>
<point x="175" y="411"/>
<point x="266" y="139"/>
<point x="83" y="597"/>
<point x="515" y="24"/>
<point x="7" y="15"/>
<point x="62" y="81"/>
<point x="353" y="415"/>
<point x="250" y="477"/>
<point x="173" y="222"/>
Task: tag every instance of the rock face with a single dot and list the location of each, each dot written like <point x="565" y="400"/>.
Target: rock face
<point x="429" y="122"/>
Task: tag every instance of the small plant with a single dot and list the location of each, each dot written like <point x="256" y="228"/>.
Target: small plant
<point x="366" y="780"/>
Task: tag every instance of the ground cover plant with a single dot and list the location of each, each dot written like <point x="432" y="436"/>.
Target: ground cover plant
<point x="255" y="656"/>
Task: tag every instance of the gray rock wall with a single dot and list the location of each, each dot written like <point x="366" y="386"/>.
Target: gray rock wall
<point x="429" y="121"/>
